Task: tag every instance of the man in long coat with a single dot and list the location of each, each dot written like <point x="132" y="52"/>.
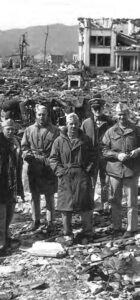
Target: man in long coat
<point x="36" y="146"/>
<point x="121" y="148"/>
<point x="10" y="178"/>
<point x="72" y="160"/>
<point x="95" y="127"/>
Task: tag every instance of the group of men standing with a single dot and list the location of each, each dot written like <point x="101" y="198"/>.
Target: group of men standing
<point x="68" y="162"/>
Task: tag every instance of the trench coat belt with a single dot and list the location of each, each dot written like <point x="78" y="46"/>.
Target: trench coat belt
<point x="72" y="165"/>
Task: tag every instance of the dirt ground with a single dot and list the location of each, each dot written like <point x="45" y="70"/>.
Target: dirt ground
<point x="77" y="275"/>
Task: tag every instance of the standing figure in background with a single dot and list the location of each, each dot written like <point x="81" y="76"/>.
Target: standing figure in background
<point x="10" y="63"/>
<point x="95" y="127"/>
<point x="121" y="148"/>
<point x="10" y="178"/>
<point x="72" y="161"/>
<point x="36" y="146"/>
<point x="67" y="110"/>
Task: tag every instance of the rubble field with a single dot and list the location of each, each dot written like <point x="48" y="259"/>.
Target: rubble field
<point x="39" y="268"/>
<point x="48" y="84"/>
<point x="105" y="268"/>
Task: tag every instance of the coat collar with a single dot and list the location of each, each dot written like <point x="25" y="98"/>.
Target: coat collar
<point x="104" y="119"/>
<point x="127" y="130"/>
<point x="79" y="141"/>
<point x="47" y="125"/>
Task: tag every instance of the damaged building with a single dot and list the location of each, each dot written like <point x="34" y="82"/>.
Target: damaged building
<point x="109" y="44"/>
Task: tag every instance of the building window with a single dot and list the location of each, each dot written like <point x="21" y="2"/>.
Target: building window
<point x="107" y="40"/>
<point x="100" y="41"/>
<point x="103" y="60"/>
<point x="93" y="40"/>
<point x="92" y="59"/>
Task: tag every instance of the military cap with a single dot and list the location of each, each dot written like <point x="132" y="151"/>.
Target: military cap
<point x="8" y="123"/>
<point x="97" y="101"/>
<point x="121" y="107"/>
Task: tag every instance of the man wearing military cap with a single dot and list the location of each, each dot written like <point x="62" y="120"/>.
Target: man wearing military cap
<point x="97" y="101"/>
<point x="95" y="127"/>
<point x="121" y="149"/>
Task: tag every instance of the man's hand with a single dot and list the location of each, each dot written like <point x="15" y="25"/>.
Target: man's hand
<point x="90" y="168"/>
<point x="62" y="172"/>
<point x="39" y="157"/>
<point x="122" y="156"/>
<point x="29" y="158"/>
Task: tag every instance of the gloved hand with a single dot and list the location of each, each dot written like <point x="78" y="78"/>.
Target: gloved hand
<point x="29" y="158"/>
<point x="122" y="156"/>
<point x="39" y="158"/>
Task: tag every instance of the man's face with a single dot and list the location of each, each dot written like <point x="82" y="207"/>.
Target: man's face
<point x="41" y="116"/>
<point x="68" y="109"/>
<point x="97" y="111"/>
<point x="122" y="117"/>
<point x="8" y="132"/>
<point x="73" y="126"/>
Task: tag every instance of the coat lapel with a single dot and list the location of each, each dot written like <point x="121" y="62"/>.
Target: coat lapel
<point x="78" y="142"/>
<point x="118" y="132"/>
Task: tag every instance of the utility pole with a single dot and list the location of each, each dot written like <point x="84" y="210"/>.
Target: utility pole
<point x="23" y="49"/>
<point x="45" y="46"/>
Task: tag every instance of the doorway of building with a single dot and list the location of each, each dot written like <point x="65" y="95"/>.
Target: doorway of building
<point x="126" y="63"/>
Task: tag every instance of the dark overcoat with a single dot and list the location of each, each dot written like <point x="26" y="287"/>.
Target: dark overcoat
<point x="73" y="164"/>
<point x="10" y="169"/>
<point x="96" y="133"/>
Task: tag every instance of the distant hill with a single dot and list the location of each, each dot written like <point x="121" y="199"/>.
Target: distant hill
<point x="62" y="39"/>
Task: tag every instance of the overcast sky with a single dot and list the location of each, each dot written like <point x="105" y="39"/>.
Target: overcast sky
<point x="24" y="13"/>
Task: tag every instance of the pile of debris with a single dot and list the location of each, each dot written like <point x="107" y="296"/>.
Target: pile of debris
<point x="107" y="268"/>
<point x="50" y="85"/>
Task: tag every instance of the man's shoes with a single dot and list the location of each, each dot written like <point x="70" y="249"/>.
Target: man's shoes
<point x="12" y="242"/>
<point x="117" y="233"/>
<point x="50" y="228"/>
<point x="3" y="250"/>
<point x="35" y="226"/>
<point x="84" y="239"/>
<point x="66" y="240"/>
<point x="129" y="234"/>
<point x="87" y="239"/>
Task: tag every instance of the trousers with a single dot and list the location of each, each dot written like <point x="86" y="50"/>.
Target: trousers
<point x="87" y="222"/>
<point x="6" y="215"/>
<point x="104" y="181"/>
<point x="131" y="188"/>
<point x="36" y="207"/>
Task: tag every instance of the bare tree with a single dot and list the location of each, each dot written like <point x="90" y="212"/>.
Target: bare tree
<point x="45" y="46"/>
<point x="23" y="49"/>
